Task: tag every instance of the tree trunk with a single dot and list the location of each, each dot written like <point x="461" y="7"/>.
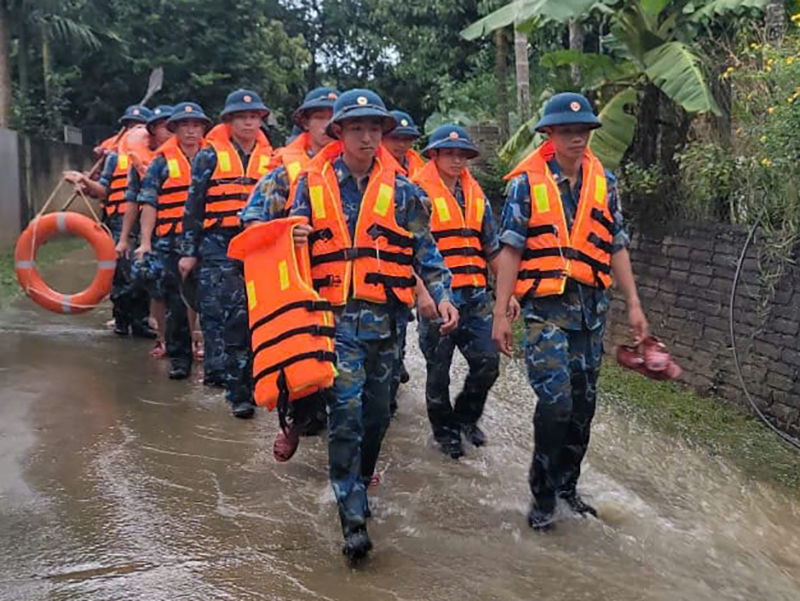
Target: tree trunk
<point x="5" y="68"/>
<point x="22" y="61"/>
<point x="776" y="22"/>
<point x="501" y="75"/>
<point x="523" y="75"/>
<point x="47" y="70"/>
<point x="576" y="38"/>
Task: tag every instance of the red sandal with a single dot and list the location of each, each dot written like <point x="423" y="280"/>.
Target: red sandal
<point x="650" y="358"/>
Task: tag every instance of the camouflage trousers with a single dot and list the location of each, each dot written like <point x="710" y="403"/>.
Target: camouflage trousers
<point x="358" y="417"/>
<point x="158" y="273"/>
<point x="563" y="367"/>
<point x="226" y="330"/>
<point x="473" y="338"/>
<point x="403" y="318"/>
<point x="130" y="301"/>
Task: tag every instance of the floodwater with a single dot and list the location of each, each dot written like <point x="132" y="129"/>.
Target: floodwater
<point x="118" y="484"/>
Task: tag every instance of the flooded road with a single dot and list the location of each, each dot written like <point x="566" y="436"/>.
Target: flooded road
<point x="118" y="484"/>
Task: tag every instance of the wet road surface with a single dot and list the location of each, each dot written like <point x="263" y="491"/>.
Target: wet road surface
<point x="118" y="484"/>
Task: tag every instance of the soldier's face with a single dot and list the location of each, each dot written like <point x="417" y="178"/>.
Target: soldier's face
<point x="361" y="137"/>
<point x="160" y="133"/>
<point x="451" y="161"/>
<point x="315" y="123"/>
<point x="569" y="141"/>
<point x="398" y="146"/>
<point x="245" y="125"/>
<point x="190" y="132"/>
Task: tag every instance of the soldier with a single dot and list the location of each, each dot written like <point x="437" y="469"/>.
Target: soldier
<point x="163" y="196"/>
<point x="563" y="238"/>
<point x="398" y="142"/>
<point x="368" y="233"/>
<point x="223" y="175"/>
<point x="271" y="199"/>
<point x="159" y="133"/>
<point x="466" y="234"/>
<point x="130" y="302"/>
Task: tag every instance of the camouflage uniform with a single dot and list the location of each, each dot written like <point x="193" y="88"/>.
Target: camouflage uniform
<point x="366" y="349"/>
<point x="164" y="261"/>
<point x="131" y="305"/>
<point x="473" y="338"/>
<point x="220" y="281"/>
<point x="563" y="349"/>
<point x="268" y="202"/>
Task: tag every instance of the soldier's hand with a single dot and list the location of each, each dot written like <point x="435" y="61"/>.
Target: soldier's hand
<point x="502" y="335"/>
<point x="449" y="315"/>
<point x="514" y="310"/>
<point x="76" y="178"/>
<point x="300" y="234"/>
<point x="186" y="265"/>
<point x="638" y="322"/>
<point x="425" y="306"/>
<point x="140" y="252"/>
<point x="123" y="248"/>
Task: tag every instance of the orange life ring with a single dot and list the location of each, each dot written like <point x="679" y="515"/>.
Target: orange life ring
<point x="43" y="229"/>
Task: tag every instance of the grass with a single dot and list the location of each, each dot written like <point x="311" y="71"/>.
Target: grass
<point x="709" y="423"/>
<point x="47" y="255"/>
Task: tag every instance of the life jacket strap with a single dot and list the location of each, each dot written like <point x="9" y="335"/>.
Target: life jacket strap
<point x="463" y="232"/>
<point x="360" y="252"/>
<point x="314" y="330"/>
<point x="376" y="230"/>
<point x="308" y="305"/>
<point x="466" y="251"/>
<point x="324" y="356"/>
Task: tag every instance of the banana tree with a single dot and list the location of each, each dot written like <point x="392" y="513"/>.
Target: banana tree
<point x="654" y="54"/>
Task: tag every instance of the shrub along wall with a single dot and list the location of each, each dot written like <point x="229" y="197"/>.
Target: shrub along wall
<point x="685" y="281"/>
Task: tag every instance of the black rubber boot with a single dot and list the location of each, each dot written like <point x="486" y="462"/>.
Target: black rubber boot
<point x="404" y="377"/>
<point x="215" y="380"/>
<point x="121" y="329"/>
<point x="474" y="434"/>
<point x="179" y="371"/>
<point x="578" y="505"/>
<point x="143" y="330"/>
<point x="357" y="545"/>
<point x="244" y="410"/>
<point x="540" y="517"/>
<point x="451" y="447"/>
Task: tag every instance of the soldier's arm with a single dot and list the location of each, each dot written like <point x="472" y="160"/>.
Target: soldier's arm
<point x="269" y="198"/>
<point x="194" y="211"/>
<point x="154" y="179"/>
<point x="301" y="207"/>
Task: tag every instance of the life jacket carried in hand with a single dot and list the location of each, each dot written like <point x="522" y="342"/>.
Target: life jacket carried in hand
<point x="552" y="252"/>
<point x="133" y="150"/>
<point x="294" y="157"/>
<point x="415" y="163"/>
<point x="291" y="326"/>
<point x="377" y="264"/>
<point x="175" y="189"/>
<point x="457" y="233"/>
<point x="232" y="182"/>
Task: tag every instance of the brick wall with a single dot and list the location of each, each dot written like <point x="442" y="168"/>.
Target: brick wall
<point x="685" y="281"/>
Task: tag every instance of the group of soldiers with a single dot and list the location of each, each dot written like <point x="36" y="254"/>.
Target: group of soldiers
<point x="552" y="255"/>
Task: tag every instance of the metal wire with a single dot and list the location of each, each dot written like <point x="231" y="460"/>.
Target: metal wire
<point x="737" y="276"/>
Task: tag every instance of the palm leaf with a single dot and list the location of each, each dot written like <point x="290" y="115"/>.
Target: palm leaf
<point x="720" y="7"/>
<point x="521" y="11"/>
<point x="677" y="71"/>
<point x="611" y="141"/>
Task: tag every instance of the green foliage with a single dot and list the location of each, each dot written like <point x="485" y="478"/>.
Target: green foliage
<point x="641" y="182"/>
<point x="707" y="172"/>
<point x="611" y="141"/>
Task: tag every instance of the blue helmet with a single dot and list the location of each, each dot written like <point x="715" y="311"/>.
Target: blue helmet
<point x="568" y="108"/>
<point x="360" y="103"/>
<point x="318" y="98"/>
<point x="136" y="113"/>
<point x="243" y="100"/>
<point x="159" y="113"/>
<point x="450" y="136"/>
<point x="183" y="111"/>
<point x="406" y="128"/>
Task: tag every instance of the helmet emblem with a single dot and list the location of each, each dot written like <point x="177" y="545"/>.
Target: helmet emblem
<point x="454" y="135"/>
<point x="157" y="111"/>
<point x="248" y="98"/>
<point x="188" y="109"/>
<point x="136" y="112"/>
<point x="332" y="95"/>
<point x="575" y="106"/>
<point x="404" y="122"/>
<point x="362" y="100"/>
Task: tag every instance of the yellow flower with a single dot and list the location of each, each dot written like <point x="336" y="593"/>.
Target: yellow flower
<point x="796" y="17"/>
<point x="766" y="162"/>
<point x="762" y="139"/>
<point x="768" y="69"/>
<point x="790" y="60"/>
<point x="754" y="46"/>
<point x="771" y="110"/>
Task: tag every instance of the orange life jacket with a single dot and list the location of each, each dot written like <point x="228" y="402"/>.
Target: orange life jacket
<point x="231" y="183"/>
<point x="415" y="163"/>
<point x="295" y="158"/>
<point x="291" y="326"/>
<point x="552" y="252"/>
<point x="457" y="233"/>
<point x="133" y="150"/>
<point x="175" y="189"/>
<point x="376" y="265"/>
